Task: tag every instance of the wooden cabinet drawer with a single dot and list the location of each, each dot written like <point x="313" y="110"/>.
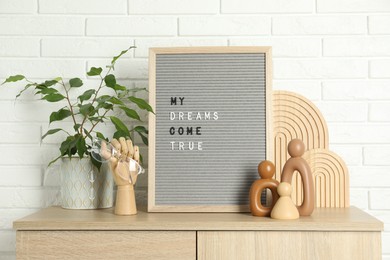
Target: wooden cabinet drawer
<point x="213" y="245"/>
<point x="106" y="245"/>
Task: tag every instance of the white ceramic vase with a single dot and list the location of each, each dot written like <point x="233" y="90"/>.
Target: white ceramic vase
<point x="83" y="186"/>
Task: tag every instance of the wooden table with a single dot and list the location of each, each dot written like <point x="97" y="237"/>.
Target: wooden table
<point x="336" y="233"/>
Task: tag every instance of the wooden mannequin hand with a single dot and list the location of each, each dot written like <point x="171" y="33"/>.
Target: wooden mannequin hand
<point x="119" y="163"/>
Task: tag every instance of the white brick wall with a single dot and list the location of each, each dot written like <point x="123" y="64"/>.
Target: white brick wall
<point x="352" y="6"/>
<point x="335" y="52"/>
<point x="266" y="6"/>
<point x="378" y="24"/>
<point x="84" y="7"/>
<point x="379" y="68"/>
<point x="41" y="25"/>
<point x="173" y="7"/>
<point x="224" y="25"/>
<point x="319" y="24"/>
<point x="130" y="26"/>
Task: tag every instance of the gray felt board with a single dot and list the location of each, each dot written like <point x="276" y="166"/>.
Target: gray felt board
<point x="221" y="98"/>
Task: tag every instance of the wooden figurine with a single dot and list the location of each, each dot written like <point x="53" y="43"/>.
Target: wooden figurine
<point x="125" y="176"/>
<point x="296" y="148"/>
<point x="266" y="170"/>
<point x="284" y="207"/>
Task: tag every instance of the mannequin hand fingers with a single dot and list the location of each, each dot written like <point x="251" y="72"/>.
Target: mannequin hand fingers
<point x="136" y="153"/>
<point x="130" y="147"/>
<point x="115" y="143"/>
<point x="104" y="152"/>
<point x="124" y="149"/>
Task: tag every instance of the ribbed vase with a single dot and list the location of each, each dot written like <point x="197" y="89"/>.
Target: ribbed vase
<point x="84" y="187"/>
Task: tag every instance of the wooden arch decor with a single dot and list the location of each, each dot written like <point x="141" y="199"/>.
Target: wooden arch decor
<point x="294" y="116"/>
<point x="331" y="178"/>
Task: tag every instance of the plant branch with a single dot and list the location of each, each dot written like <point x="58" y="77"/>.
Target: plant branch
<point x="94" y="100"/>
<point x="70" y="105"/>
<point x="97" y="122"/>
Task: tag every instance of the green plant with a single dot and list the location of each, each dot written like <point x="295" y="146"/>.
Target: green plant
<point x="89" y="109"/>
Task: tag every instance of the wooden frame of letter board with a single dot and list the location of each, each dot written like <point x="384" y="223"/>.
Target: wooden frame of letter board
<point x="153" y="52"/>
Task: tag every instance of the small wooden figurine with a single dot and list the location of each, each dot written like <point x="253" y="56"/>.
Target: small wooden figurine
<point x="266" y="170"/>
<point x="284" y="207"/>
<point x="296" y="148"/>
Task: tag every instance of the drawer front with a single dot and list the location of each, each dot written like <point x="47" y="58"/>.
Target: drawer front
<point x="288" y="245"/>
<point x="106" y="245"/>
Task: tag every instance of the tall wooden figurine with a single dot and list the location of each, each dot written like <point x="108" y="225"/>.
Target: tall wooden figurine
<point x="296" y="148"/>
<point x="266" y="170"/>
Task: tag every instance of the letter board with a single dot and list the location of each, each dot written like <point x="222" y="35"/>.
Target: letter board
<point x="210" y="129"/>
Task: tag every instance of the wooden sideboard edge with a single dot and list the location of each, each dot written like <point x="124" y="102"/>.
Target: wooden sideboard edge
<point x="55" y="218"/>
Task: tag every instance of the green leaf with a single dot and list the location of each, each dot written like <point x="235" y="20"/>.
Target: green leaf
<point x="25" y="88"/>
<point x="14" y="79"/>
<point x="88" y="134"/>
<point x="103" y="99"/>
<point x="100" y="135"/>
<point x="49" y="83"/>
<point x="119" y="125"/>
<point x="87" y="109"/>
<point x="60" y="115"/>
<point x="46" y="91"/>
<point x="68" y="147"/>
<point x="119" y="88"/>
<point x="130" y="113"/>
<point x="139" y="89"/>
<point x="122" y="53"/>
<point x="116" y="101"/>
<point x="97" y="164"/>
<point x="118" y="134"/>
<point x="81" y="147"/>
<point x="107" y="106"/>
<point x="53" y="97"/>
<point x="144" y="139"/>
<point x="51" y="131"/>
<point x="141" y="129"/>
<point x="75" y="83"/>
<point x="95" y="119"/>
<point x="94" y="71"/>
<point x="76" y="127"/>
<point x="86" y="95"/>
<point x="141" y="103"/>
<point x="110" y="81"/>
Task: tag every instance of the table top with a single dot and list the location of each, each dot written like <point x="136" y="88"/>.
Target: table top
<point x="322" y="219"/>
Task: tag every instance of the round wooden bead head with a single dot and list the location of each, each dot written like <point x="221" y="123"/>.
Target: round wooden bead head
<point x="296" y="148"/>
<point x="284" y="189"/>
<point x="266" y="169"/>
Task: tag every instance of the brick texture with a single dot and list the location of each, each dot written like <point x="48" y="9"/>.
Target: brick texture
<point x="173" y="7"/>
<point x="267" y="6"/>
<point x="83" y="7"/>
<point x="224" y="25"/>
<point x="334" y="52"/>
<point x="378" y="46"/>
<point x="353" y="6"/>
<point x="132" y="26"/>
<point x="41" y="25"/>
<point x="317" y="25"/>
<point x="18" y="7"/>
